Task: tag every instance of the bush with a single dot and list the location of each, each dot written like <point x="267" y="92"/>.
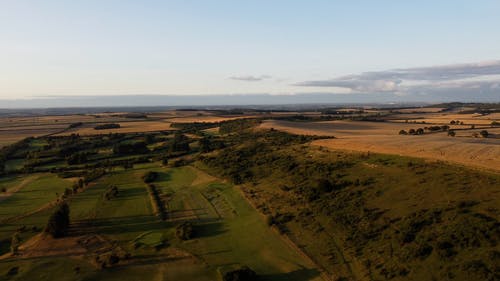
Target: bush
<point x="14" y="243"/>
<point x="484" y="133"/>
<point x="164" y="161"/>
<point x="184" y="231"/>
<point x="58" y="224"/>
<point x="403" y="132"/>
<point x="243" y="273"/>
<point x="150" y="177"/>
<point x="111" y="192"/>
<point x="451" y="133"/>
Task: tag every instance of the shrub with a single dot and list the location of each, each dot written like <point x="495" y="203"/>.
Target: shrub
<point x="403" y="132"/>
<point x="324" y="186"/>
<point x="150" y="177"/>
<point x="164" y="161"/>
<point x="59" y="221"/>
<point x="111" y="192"/>
<point x="184" y="231"/>
<point x="243" y="273"/>
<point x="484" y="133"/>
<point x="451" y="133"/>
<point x="14" y="243"/>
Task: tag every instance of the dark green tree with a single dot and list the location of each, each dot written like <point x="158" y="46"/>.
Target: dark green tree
<point x="58" y="223"/>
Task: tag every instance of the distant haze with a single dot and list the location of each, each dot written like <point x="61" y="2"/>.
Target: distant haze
<point x="245" y="100"/>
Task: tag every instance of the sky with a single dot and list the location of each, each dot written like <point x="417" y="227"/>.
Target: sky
<point x="225" y="47"/>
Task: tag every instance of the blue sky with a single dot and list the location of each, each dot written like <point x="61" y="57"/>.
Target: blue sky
<point x="111" y="47"/>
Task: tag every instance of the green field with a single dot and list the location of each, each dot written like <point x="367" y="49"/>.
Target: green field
<point x="228" y="230"/>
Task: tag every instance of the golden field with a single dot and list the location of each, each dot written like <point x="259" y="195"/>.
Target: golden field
<point x="383" y="137"/>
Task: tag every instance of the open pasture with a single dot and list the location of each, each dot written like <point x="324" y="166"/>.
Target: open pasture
<point x="228" y="231"/>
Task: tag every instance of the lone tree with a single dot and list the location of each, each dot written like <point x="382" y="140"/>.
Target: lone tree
<point x="484" y="133"/>
<point x="59" y="221"/>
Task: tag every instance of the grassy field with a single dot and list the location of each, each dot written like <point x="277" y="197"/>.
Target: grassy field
<point x="228" y="231"/>
<point x="27" y="205"/>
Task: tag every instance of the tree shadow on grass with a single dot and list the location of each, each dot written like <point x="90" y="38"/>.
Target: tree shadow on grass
<point x="126" y="193"/>
<point x="298" y="275"/>
<point x="118" y="225"/>
<point x="164" y="176"/>
<point x="209" y="229"/>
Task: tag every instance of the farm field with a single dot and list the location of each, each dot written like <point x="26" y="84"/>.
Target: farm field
<point x="229" y="231"/>
<point x="125" y="127"/>
<point x="336" y="194"/>
<point x="382" y="137"/>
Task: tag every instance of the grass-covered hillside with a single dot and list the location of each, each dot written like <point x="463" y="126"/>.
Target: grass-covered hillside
<point x="364" y="216"/>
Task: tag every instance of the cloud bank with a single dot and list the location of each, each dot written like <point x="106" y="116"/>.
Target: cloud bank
<point x="482" y="76"/>
<point x="250" y="78"/>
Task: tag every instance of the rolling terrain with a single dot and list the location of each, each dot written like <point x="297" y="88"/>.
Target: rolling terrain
<point x="340" y="194"/>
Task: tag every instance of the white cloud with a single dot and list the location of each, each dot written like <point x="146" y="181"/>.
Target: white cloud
<point x="250" y="78"/>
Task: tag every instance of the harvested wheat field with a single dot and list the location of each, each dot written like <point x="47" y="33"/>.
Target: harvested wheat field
<point x="125" y="127"/>
<point x="9" y="136"/>
<point x="204" y="118"/>
<point x="420" y="110"/>
<point x="382" y="137"/>
<point x="443" y="118"/>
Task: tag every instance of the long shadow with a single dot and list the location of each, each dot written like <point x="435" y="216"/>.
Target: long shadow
<point x="118" y="225"/>
<point x="299" y="275"/>
<point x="130" y="192"/>
<point x="164" y="176"/>
<point x="209" y="229"/>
